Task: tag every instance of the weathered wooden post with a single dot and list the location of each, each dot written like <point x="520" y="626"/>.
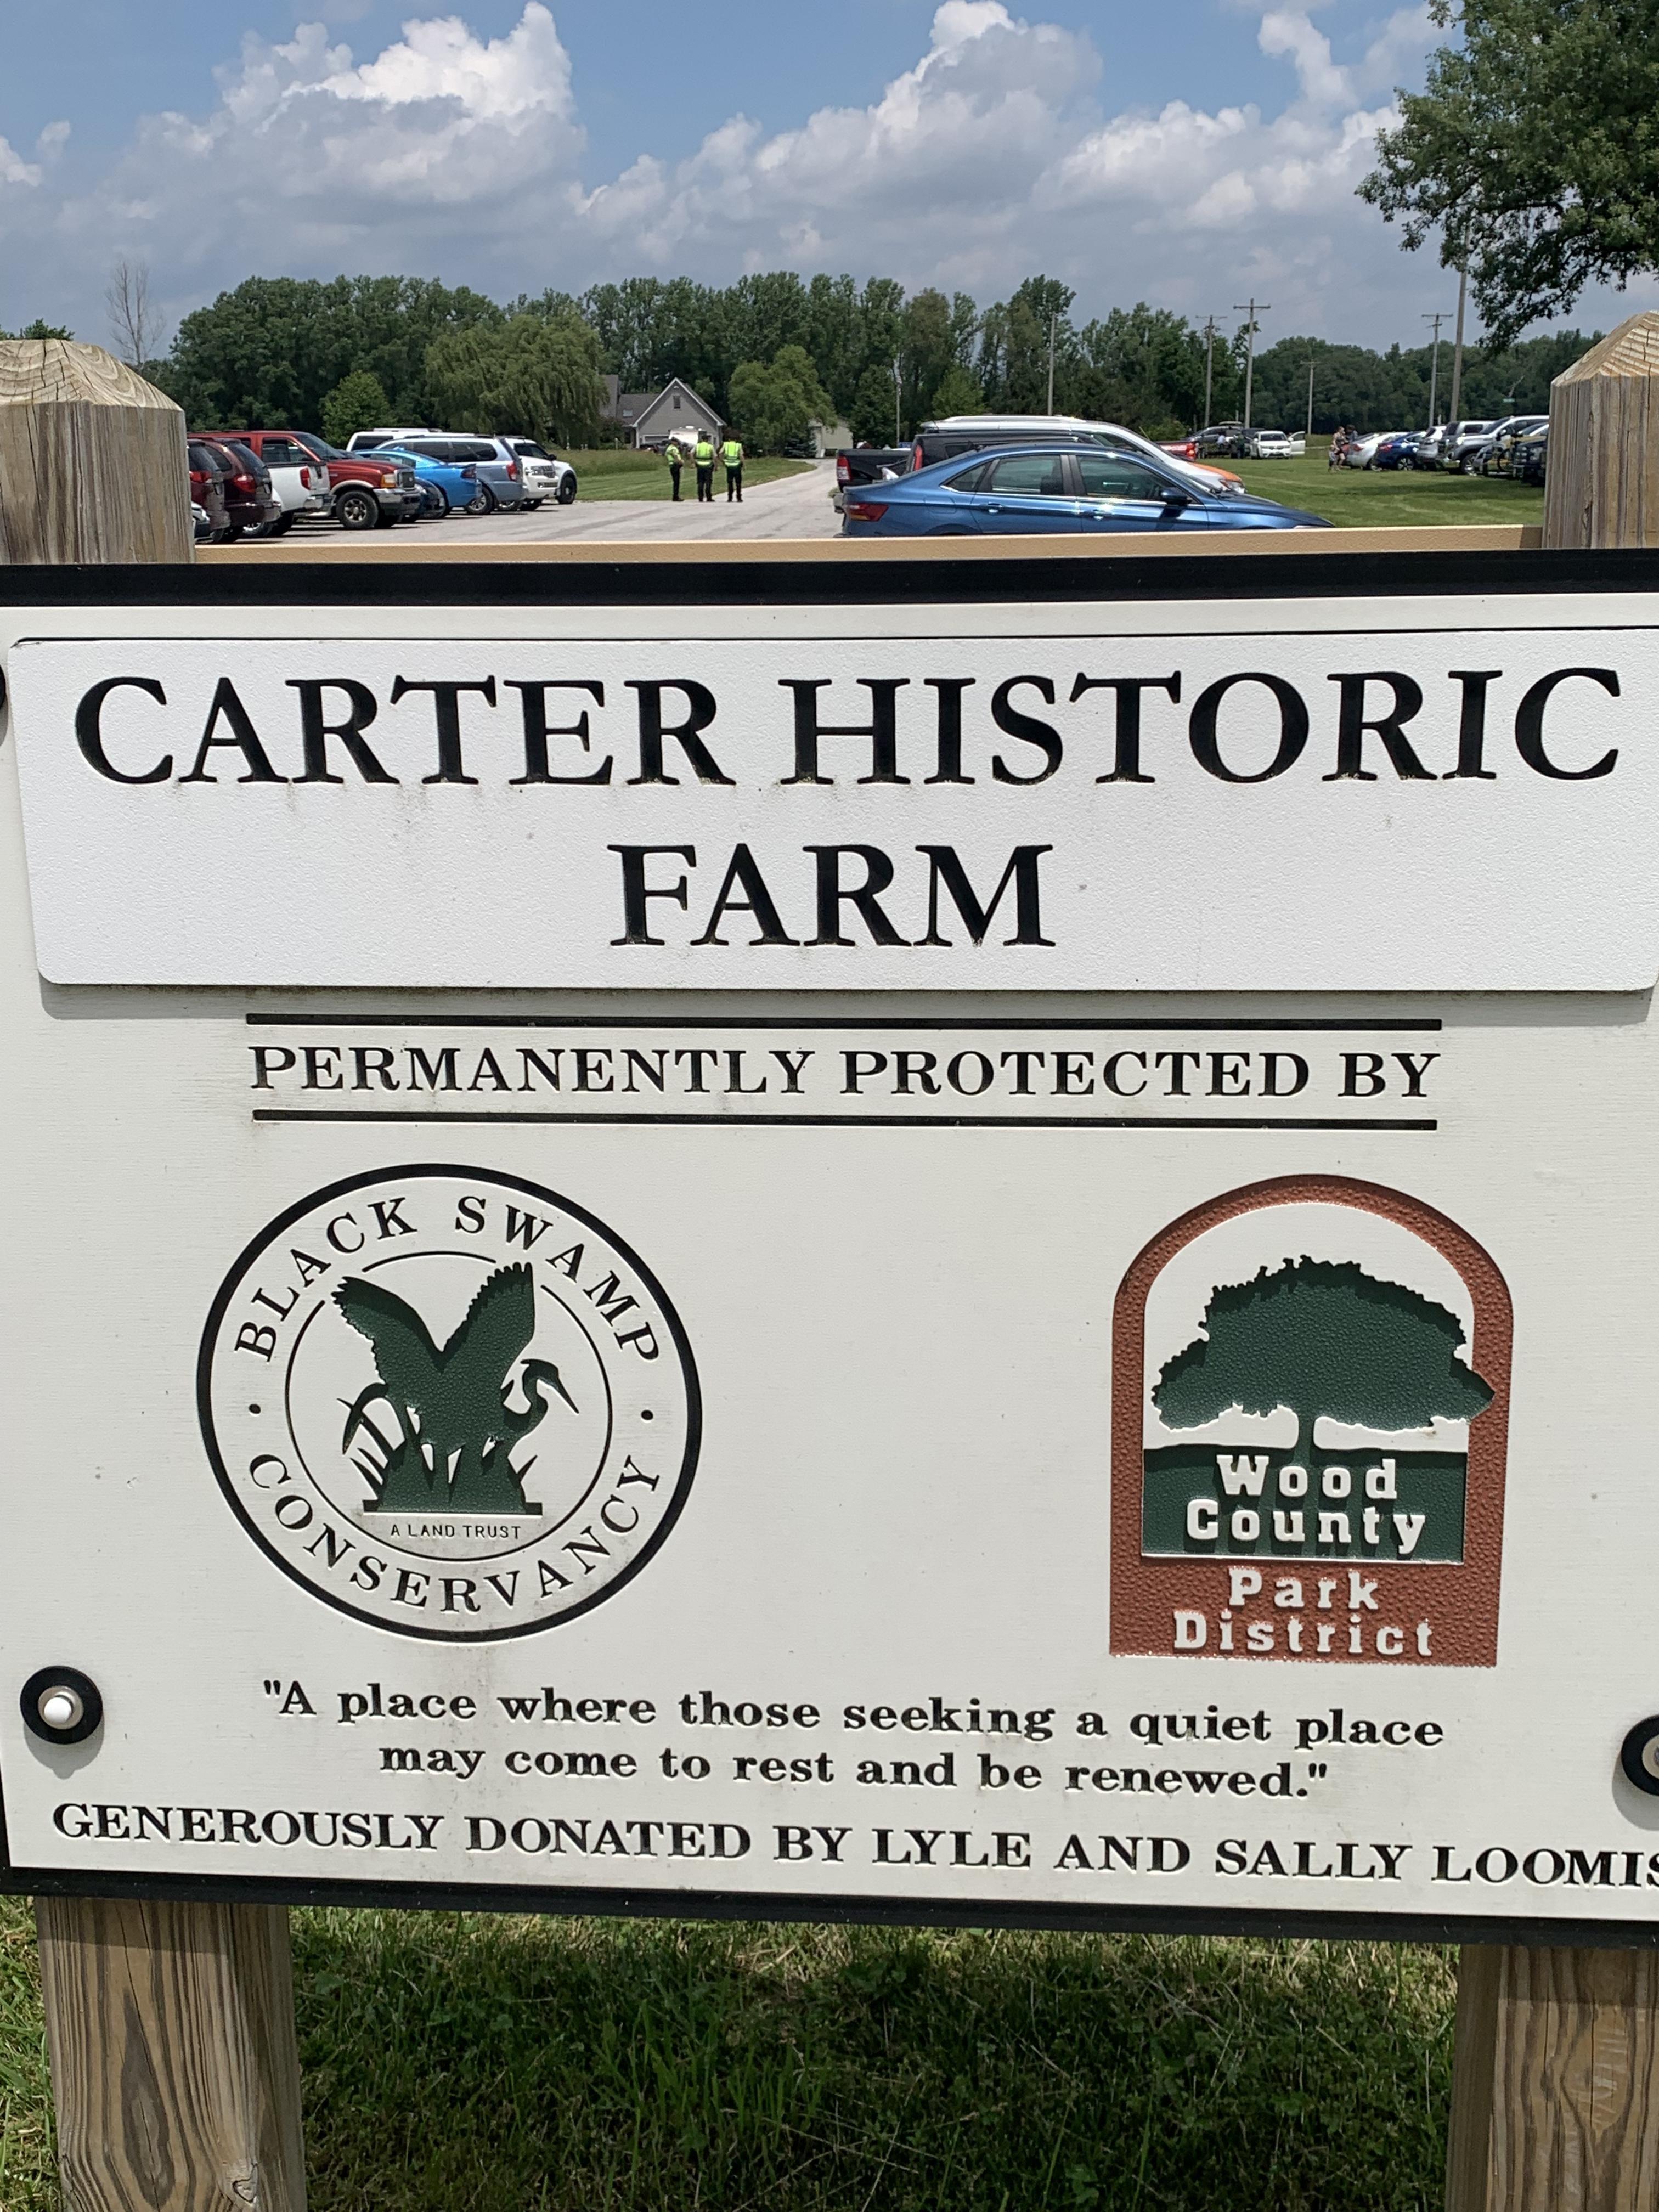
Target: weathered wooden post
<point x="1555" y="2098"/>
<point x="92" y="458"/>
<point x="1602" y="488"/>
<point x="174" y="2067"/>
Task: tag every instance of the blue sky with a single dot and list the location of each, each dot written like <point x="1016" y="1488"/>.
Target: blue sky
<point x="1188" y="154"/>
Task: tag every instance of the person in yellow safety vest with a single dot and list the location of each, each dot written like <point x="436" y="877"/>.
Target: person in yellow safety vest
<point x="704" y="457"/>
<point x="676" y="460"/>
<point x="731" y="455"/>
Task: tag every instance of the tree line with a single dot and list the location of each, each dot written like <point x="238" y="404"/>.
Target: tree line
<point x="774" y="353"/>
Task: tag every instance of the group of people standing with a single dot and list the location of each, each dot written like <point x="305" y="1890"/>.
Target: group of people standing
<point x="704" y="455"/>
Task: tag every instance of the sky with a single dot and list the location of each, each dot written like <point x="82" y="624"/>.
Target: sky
<point x="1194" y="154"/>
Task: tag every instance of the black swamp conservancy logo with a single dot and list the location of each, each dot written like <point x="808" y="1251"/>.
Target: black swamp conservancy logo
<point x="449" y="1401"/>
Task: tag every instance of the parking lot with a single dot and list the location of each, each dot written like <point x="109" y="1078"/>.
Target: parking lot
<point x="790" y="506"/>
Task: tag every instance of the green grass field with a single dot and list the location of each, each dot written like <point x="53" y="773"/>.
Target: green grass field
<point x="619" y="472"/>
<point x="461" y="2062"/>
<point x="1373" y="499"/>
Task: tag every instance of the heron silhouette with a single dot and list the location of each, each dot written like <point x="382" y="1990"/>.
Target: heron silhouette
<point x="457" y="1427"/>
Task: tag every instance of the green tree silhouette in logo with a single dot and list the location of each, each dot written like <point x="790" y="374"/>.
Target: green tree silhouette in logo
<point x="456" y="1428"/>
<point x="1321" y="1337"/>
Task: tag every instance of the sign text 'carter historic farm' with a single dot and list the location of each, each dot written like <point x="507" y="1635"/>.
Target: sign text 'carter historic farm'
<point x="845" y="1241"/>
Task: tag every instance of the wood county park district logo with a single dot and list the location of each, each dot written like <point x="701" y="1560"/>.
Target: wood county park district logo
<point x="1311" y="1408"/>
<point x="449" y="1402"/>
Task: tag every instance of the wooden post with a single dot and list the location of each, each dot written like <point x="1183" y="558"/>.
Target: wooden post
<point x="173" y="2063"/>
<point x="174" y="2067"/>
<point x="1602" y="485"/>
<point x="1555" y="2092"/>
<point x="1555" y="2068"/>
<point x="92" y="463"/>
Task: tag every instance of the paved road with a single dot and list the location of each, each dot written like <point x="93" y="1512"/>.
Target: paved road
<point x="789" y="507"/>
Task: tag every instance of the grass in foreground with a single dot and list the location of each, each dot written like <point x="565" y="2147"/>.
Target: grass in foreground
<point x="619" y="472"/>
<point x="471" y="2063"/>
<point x="1382" y="499"/>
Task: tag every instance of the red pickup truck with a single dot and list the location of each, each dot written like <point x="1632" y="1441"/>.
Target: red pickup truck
<point x="367" y="493"/>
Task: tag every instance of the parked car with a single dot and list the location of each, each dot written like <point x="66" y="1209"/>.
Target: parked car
<point x="856" y="465"/>
<point x="1082" y="488"/>
<point x="250" y="502"/>
<point x="200" y="522"/>
<point x="1529" y="455"/>
<point x="546" y="476"/>
<point x="1395" y="451"/>
<point x="209" y="466"/>
<point x="1225" y="440"/>
<point x="366" y="493"/>
<point x="454" y="485"/>
<point x="1274" y="445"/>
<point x="966" y="434"/>
<point x="296" y="477"/>
<point x="501" y="473"/>
<point x="1479" y="457"/>
<point x="1497" y="455"/>
<point x="1458" y="437"/>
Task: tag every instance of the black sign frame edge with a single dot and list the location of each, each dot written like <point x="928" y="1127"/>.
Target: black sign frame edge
<point x="608" y="1903"/>
<point x="829" y="580"/>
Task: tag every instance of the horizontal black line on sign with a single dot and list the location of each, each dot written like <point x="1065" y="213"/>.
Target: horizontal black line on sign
<point x="878" y="1912"/>
<point x="834" y="580"/>
<point x="803" y="1022"/>
<point x="844" y="1121"/>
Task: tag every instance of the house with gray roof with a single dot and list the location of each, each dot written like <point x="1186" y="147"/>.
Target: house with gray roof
<point x="651" y="418"/>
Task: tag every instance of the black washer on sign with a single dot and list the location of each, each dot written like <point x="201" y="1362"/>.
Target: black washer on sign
<point x="92" y="1704"/>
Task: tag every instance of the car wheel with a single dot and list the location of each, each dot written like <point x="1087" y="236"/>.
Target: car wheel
<point x="358" y="510"/>
<point x="566" y="491"/>
<point x="483" y="502"/>
<point x="1469" y="466"/>
<point x="278" y="528"/>
<point x="444" y="504"/>
<point x="234" y="530"/>
<point x="530" y="504"/>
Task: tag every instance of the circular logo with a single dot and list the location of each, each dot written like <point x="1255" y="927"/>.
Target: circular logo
<point x="449" y="1402"/>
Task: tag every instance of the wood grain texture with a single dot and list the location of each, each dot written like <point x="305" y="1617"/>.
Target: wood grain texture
<point x="379" y="548"/>
<point x="1602" y="483"/>
<point x="1560" y="2047"/>
<point x="93" y="465"/>
<point x="174" y="2067"/>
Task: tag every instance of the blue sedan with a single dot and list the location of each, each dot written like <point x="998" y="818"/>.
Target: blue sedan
<point x="456" y="485"/>
<point x="1086" y="489"/>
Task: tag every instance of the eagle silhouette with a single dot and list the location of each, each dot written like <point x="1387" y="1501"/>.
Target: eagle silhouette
<point x="456" y="1428"/>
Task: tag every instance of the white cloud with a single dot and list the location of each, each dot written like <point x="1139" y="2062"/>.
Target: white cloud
<point x="999" y="152"/>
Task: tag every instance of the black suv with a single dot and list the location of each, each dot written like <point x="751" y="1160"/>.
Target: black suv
<point x="1221" y="442"/>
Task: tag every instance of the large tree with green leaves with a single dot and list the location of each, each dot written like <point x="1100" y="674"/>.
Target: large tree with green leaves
<point x="1533" y="149"/>
<point x="774" y="403"/>
<point x="1321" y="1337"/>
<point x="535" y="374"/>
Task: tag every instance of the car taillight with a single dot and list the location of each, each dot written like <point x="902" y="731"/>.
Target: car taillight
<point x="246" y="485"/>
<point x="864" y="510"/>
<point x="512" y="468"/>
<point x="916" y="454"/>
<point x="198" y="481"/>
<point x="305" y="479"/>
<point x="470" y="475"/>
<point x="843" y="469"/>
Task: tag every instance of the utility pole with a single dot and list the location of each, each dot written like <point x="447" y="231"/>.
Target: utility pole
<point x="1312" y="359"/>
<point x="1434" y="370"/>
<point x="1209" y="363"/>
<point x="1457" y="344"/>
<point x="1054" y="327"/>
<point x="898" y="393"/>
<point x="1250" y="308"/>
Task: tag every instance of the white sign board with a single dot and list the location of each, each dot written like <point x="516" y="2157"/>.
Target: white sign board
<point x="1324" y="796"/>
<point x="1108" y="1458"/>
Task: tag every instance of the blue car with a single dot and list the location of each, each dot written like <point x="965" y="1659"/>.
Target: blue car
<point x="455" y="483"/>
<point x="1086" y="490"/>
